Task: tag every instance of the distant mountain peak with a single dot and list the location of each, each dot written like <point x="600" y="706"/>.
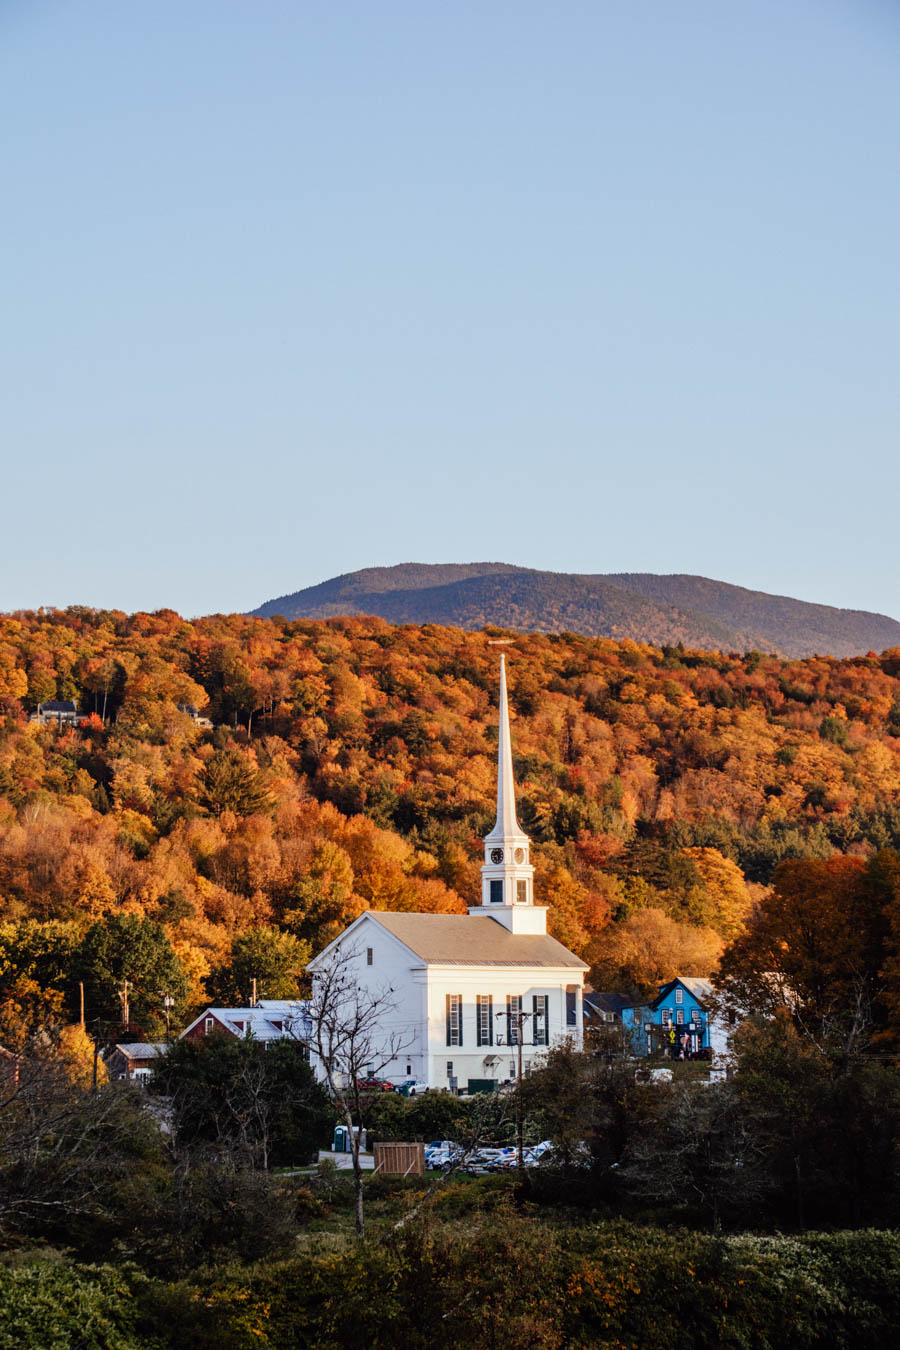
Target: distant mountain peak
<point x="644" y="606"/>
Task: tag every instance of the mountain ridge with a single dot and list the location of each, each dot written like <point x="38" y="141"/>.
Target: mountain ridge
<point x="662" y="609"/>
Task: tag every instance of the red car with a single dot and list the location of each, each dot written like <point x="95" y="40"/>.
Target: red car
<point x="374" y="1085"/>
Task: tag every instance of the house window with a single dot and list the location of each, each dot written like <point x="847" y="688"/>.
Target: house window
<point x="540" y="1019"/>
<point x="513" y="1018"/>
<point x="449" y="1068"/>
<point x="369" y="956"/>
<point x="210" y="1023"/>
<point x="454" y="1019"/>
<point x="679" y="1016"/>
<point x="409" y="1070"/>
<point x="484" y="1019"/>
<point x="496" y="892"/>
<point x="679" y="995"/>
<point x="571" y="1005"/>
<point x="667" y="1017"/>
<point x="512" y="1068"/>
<point x="521" y="892"/>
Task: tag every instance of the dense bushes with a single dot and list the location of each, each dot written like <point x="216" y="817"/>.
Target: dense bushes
<point x="504" y="1280"/>
<point x="797" y="1137"/>
<point x="54" y="1305"/>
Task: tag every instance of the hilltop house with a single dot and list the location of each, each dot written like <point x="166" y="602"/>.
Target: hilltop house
<point x="59" y="712"/>
<point x="194" y="715"/>
<point x="464" y="988"/>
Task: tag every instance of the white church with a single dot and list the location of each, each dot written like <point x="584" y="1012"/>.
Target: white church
<point x="465" y="988"/>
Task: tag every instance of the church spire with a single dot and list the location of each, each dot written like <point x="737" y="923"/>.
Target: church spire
<point x="506" y="825"/>
<point x="507" y="877"/>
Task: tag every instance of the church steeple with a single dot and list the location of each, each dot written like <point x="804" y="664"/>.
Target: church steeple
<point x="506" y="826"/>
<point x="507" y="877"/>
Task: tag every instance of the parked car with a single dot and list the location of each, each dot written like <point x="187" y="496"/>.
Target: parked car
<point x="490" y="1160"/>
<point x="442" y="1154"/>
<point x="537" y="1153"/>
<point x="374" y="1085"/>
<point x="412" y="1087"/>
<point x="441" y="1162"/>
<point x="509" y="1158"/>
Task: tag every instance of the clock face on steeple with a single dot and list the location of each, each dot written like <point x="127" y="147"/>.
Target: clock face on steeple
<point x="519" y="855"/>
<point x="496" y="855"/>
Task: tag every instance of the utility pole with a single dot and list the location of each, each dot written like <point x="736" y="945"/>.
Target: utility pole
<point x="253" y="1000"/>
<point x="168" y="1004"/>
<point x="81" y="1001"/>
<point x="123" y="995"/>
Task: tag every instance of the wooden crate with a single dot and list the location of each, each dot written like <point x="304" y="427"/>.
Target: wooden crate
<point x="404" y="1160"/>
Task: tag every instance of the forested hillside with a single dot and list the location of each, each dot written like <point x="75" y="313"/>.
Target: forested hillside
<point x="353" y="763"/>
<point x="642" y="606"/>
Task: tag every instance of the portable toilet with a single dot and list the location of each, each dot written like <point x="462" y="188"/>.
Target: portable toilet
<point x="341" y="1143"/>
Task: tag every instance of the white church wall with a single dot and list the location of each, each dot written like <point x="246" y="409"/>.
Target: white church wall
<point x="391" y="975"/>
<point x="469" y="1059"/>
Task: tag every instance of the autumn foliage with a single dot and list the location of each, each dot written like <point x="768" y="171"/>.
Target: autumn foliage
<point x="352" y="764"/>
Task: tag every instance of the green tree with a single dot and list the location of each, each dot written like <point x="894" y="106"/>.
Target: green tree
<point x="263" y="1102"/>
<point x="231" y="782"/>
<point x="124" y="948"/>
<point x="273" y="959"/>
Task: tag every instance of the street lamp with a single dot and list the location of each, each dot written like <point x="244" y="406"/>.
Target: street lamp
<point x="516" y="1019"/>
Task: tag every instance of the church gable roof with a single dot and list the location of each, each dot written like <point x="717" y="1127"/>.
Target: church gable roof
<point x="467" y="940"/>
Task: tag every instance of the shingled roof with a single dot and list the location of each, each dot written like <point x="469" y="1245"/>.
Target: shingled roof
<point x="470" y="940"/>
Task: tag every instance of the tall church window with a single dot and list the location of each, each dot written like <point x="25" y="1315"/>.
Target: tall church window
<point x="571" y="1005"/>
<point x="484" y="1019"/>
<point x="521" y="892"/>
<point x="496" y="892"/>
<point x="540" y="1019"/>
<point x="513" y="1018"/>
<point x="454" y="1019"/>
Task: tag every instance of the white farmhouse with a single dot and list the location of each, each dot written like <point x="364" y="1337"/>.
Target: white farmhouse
<point x="463" y="988"/>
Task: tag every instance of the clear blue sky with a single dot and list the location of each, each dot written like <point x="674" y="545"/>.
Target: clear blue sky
<point x="290" y="288"/>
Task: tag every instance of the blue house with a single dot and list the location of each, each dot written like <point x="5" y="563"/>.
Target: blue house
<point x="676" y="1023"/>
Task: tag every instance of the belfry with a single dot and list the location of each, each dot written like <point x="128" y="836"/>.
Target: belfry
<point x="507" y="876"/>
